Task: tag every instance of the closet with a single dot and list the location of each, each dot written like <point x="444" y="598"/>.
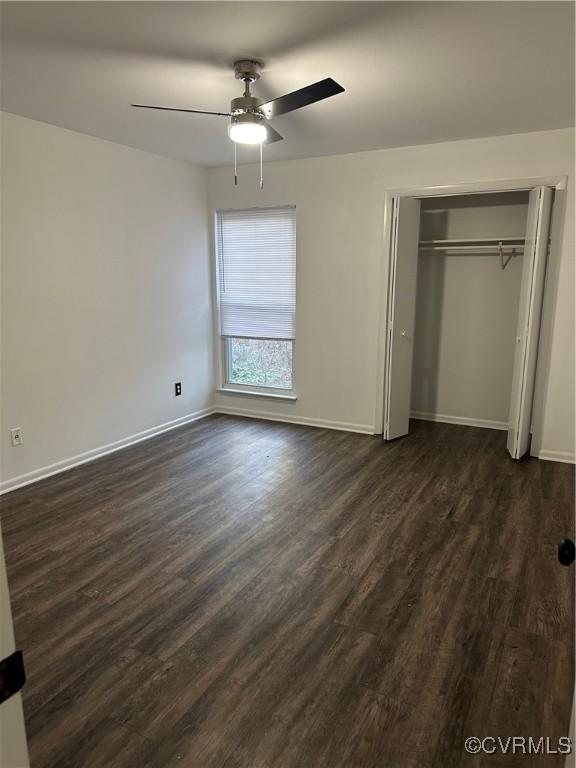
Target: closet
<point x="465" y="293"/>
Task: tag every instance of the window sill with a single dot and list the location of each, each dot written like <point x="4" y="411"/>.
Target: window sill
<point x="254" y="393"/>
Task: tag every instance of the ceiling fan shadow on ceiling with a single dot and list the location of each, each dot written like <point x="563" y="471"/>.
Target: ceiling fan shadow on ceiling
<point x="249" y="116"/>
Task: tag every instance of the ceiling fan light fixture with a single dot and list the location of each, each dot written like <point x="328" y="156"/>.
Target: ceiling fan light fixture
<point x="248" y="128"/>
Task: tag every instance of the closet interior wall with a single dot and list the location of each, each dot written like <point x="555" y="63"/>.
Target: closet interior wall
<point x="466" y="310"/>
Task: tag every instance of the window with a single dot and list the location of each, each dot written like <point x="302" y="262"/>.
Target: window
<point x="260" y="362"/>
<point x="256" y="260"/>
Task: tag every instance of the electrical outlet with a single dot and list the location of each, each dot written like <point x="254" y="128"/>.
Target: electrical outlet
<point x="178" y="388"/>
<point x="16" y="436"/>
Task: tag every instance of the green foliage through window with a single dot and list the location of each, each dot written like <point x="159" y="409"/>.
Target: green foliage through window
<point x="260" y="362"/>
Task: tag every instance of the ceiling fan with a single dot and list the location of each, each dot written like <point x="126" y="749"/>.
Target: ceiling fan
<point x="249" y="115"/>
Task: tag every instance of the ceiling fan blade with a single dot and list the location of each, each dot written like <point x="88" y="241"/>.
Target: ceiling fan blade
<point x="177" y="109"/>
<point x="272" y="135"/>
<point x="301" y="98"/>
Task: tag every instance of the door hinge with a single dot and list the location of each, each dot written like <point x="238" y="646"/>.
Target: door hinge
<point x="12" y="675"/>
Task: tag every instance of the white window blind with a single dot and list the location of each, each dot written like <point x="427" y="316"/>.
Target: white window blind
<point x="256" y="252"/>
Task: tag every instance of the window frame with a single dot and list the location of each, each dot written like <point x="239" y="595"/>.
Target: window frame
<point x="231" y="387"/>
<point x="224" y="384"/>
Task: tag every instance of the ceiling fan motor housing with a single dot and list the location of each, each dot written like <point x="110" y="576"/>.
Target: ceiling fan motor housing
<point x="253" y="118"/>
<point x="244" y="104"/>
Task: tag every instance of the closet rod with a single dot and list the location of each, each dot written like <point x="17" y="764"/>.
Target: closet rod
<point x="475" y="240"/>
<point x="509" y="245"/>
<point x="494" y="247"/>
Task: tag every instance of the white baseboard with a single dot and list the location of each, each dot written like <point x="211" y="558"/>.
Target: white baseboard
<point x="463" y="420"/>
<point x="83" y="458"/>
<point x="563" y="456"/>
<point x="367" y="429"/>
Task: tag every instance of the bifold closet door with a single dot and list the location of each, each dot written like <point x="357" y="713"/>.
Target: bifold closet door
<point x="528" y="327"/>
<point x="401" y="315"/>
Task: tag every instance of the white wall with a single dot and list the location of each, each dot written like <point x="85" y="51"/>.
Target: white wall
<point x="466" y="310"/>
<point x="340" y="208"/>
<point x="106" y="293"/>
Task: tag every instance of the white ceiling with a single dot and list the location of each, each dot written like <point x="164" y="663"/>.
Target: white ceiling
<point x="414" y="72"/>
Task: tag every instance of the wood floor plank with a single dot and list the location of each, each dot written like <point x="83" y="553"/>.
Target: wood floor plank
<point x="247" y="594"/>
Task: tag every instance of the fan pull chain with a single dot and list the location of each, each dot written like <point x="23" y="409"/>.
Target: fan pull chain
<point x="235" y="167"/>
<point x="261" y="171"/>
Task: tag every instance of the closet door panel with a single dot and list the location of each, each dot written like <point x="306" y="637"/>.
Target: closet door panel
<point x="529" y="312"/>
<point x="401" y="316"/>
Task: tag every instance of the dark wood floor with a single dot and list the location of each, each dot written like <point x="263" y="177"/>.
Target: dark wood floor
<point x="255" y="595"/>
